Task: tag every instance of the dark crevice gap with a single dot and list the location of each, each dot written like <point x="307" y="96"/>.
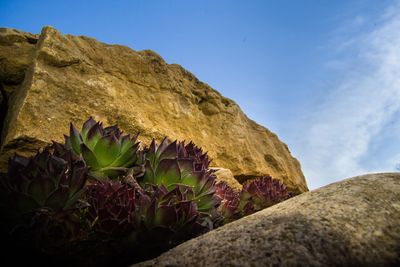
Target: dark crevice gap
<point x="3" y="110"/>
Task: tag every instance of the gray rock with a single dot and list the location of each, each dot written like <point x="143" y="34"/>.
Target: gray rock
<point x="355" y="222"/>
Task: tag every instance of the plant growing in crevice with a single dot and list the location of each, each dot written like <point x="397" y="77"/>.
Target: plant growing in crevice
<point x="257" y="193"/>
<point x="41" y="202"/>
<point x="172" y="164"/>
<point x="43" y="181"/>
<point x="100" y="199"/>
<point x="111" y="208"/>
<point x="230" y="199"/>
<point x="261" y="192"/>
<point x="177" y="199"/>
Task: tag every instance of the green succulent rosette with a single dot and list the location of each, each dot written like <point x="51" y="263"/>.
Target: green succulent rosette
<point x="171" y="165"/>
<point x="107" y="152"/>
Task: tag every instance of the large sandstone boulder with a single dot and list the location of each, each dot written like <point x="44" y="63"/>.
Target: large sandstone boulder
<point x="17" y="51"/>
<point x="71" y="78"/>
<point x="355" y="222"/>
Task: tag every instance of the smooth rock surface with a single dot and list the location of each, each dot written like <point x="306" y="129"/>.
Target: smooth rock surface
<point x="355" y="222"/>
<point x="74" y="77"/>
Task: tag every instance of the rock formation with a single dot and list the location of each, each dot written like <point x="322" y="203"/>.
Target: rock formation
<point x="55" y="79"/>
<point x="355" y="222"/>
<point x="17" y="51"/>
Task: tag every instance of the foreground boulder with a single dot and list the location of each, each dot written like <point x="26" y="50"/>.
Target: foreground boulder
<point x="355" y="222"/>
<point x="73" y="77"/>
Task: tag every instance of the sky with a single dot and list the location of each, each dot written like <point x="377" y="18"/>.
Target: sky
<point x="323" y="75"/>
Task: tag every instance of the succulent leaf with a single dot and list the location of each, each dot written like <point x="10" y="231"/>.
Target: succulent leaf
<point x="89" y="157"/>
<point x="127" y="157"/>
<point x="86" y="127"/>
<point x="107" y="150"/>
<point x="75" y="139"/>
<point x="229" y="201"/>
<point x="168" y="173"/>
<point x="94" y="135"/>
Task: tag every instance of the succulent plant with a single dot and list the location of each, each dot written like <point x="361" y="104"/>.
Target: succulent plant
<point x="142" y="202"/>
<point x="173" y="164"/>
<point x="107" y="152"/>
<point x="260" y="193"/>
<point x="42" y="181"/>
<point x="229" y="201"/>
<point x="112" y="205"/>
<point x="41" y="203"/>
<point x="56" y="232"/>
<point x="167" y="217"/>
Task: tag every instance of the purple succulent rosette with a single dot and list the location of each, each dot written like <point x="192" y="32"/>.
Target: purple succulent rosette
<point x="260" y="193"/>
<point x="229" y="201"/>
<point x="111" y="208"/>
<point x="171" y="165"/>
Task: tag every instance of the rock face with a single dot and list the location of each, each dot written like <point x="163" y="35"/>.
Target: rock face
<point x="71" y="78"/>
<point x="355" y="222"/>
<point x="16" y="55"/>
<point x="17" y="51"/>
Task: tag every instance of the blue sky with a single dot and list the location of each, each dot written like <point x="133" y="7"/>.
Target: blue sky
<point x="323" y="75"/>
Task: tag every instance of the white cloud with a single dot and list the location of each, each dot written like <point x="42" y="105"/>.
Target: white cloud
<point x="359" y="107"/>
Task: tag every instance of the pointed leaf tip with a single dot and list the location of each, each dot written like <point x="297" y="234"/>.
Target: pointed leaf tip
<point x="75" y="139"/>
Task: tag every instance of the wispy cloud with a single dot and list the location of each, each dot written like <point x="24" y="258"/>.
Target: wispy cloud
<point x="361" y="105"/>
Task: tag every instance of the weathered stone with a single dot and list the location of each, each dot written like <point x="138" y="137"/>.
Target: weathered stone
<point x="74" y="77"/>
<point x="225" y="175"/>
<point x="17" y="51"/>
<point x="355" y="222"/>
<point x="16" y="55"/>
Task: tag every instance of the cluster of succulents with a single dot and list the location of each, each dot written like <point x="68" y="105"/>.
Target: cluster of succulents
<point x="257" y="194"/>
<point x="100" y="189"/>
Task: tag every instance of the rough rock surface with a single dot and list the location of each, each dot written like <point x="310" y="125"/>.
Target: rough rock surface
<point x="16" y="55"/>
<point x="74" y="77"/>
<point x="355" y="222"/>
<point x="17" y="51"/>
